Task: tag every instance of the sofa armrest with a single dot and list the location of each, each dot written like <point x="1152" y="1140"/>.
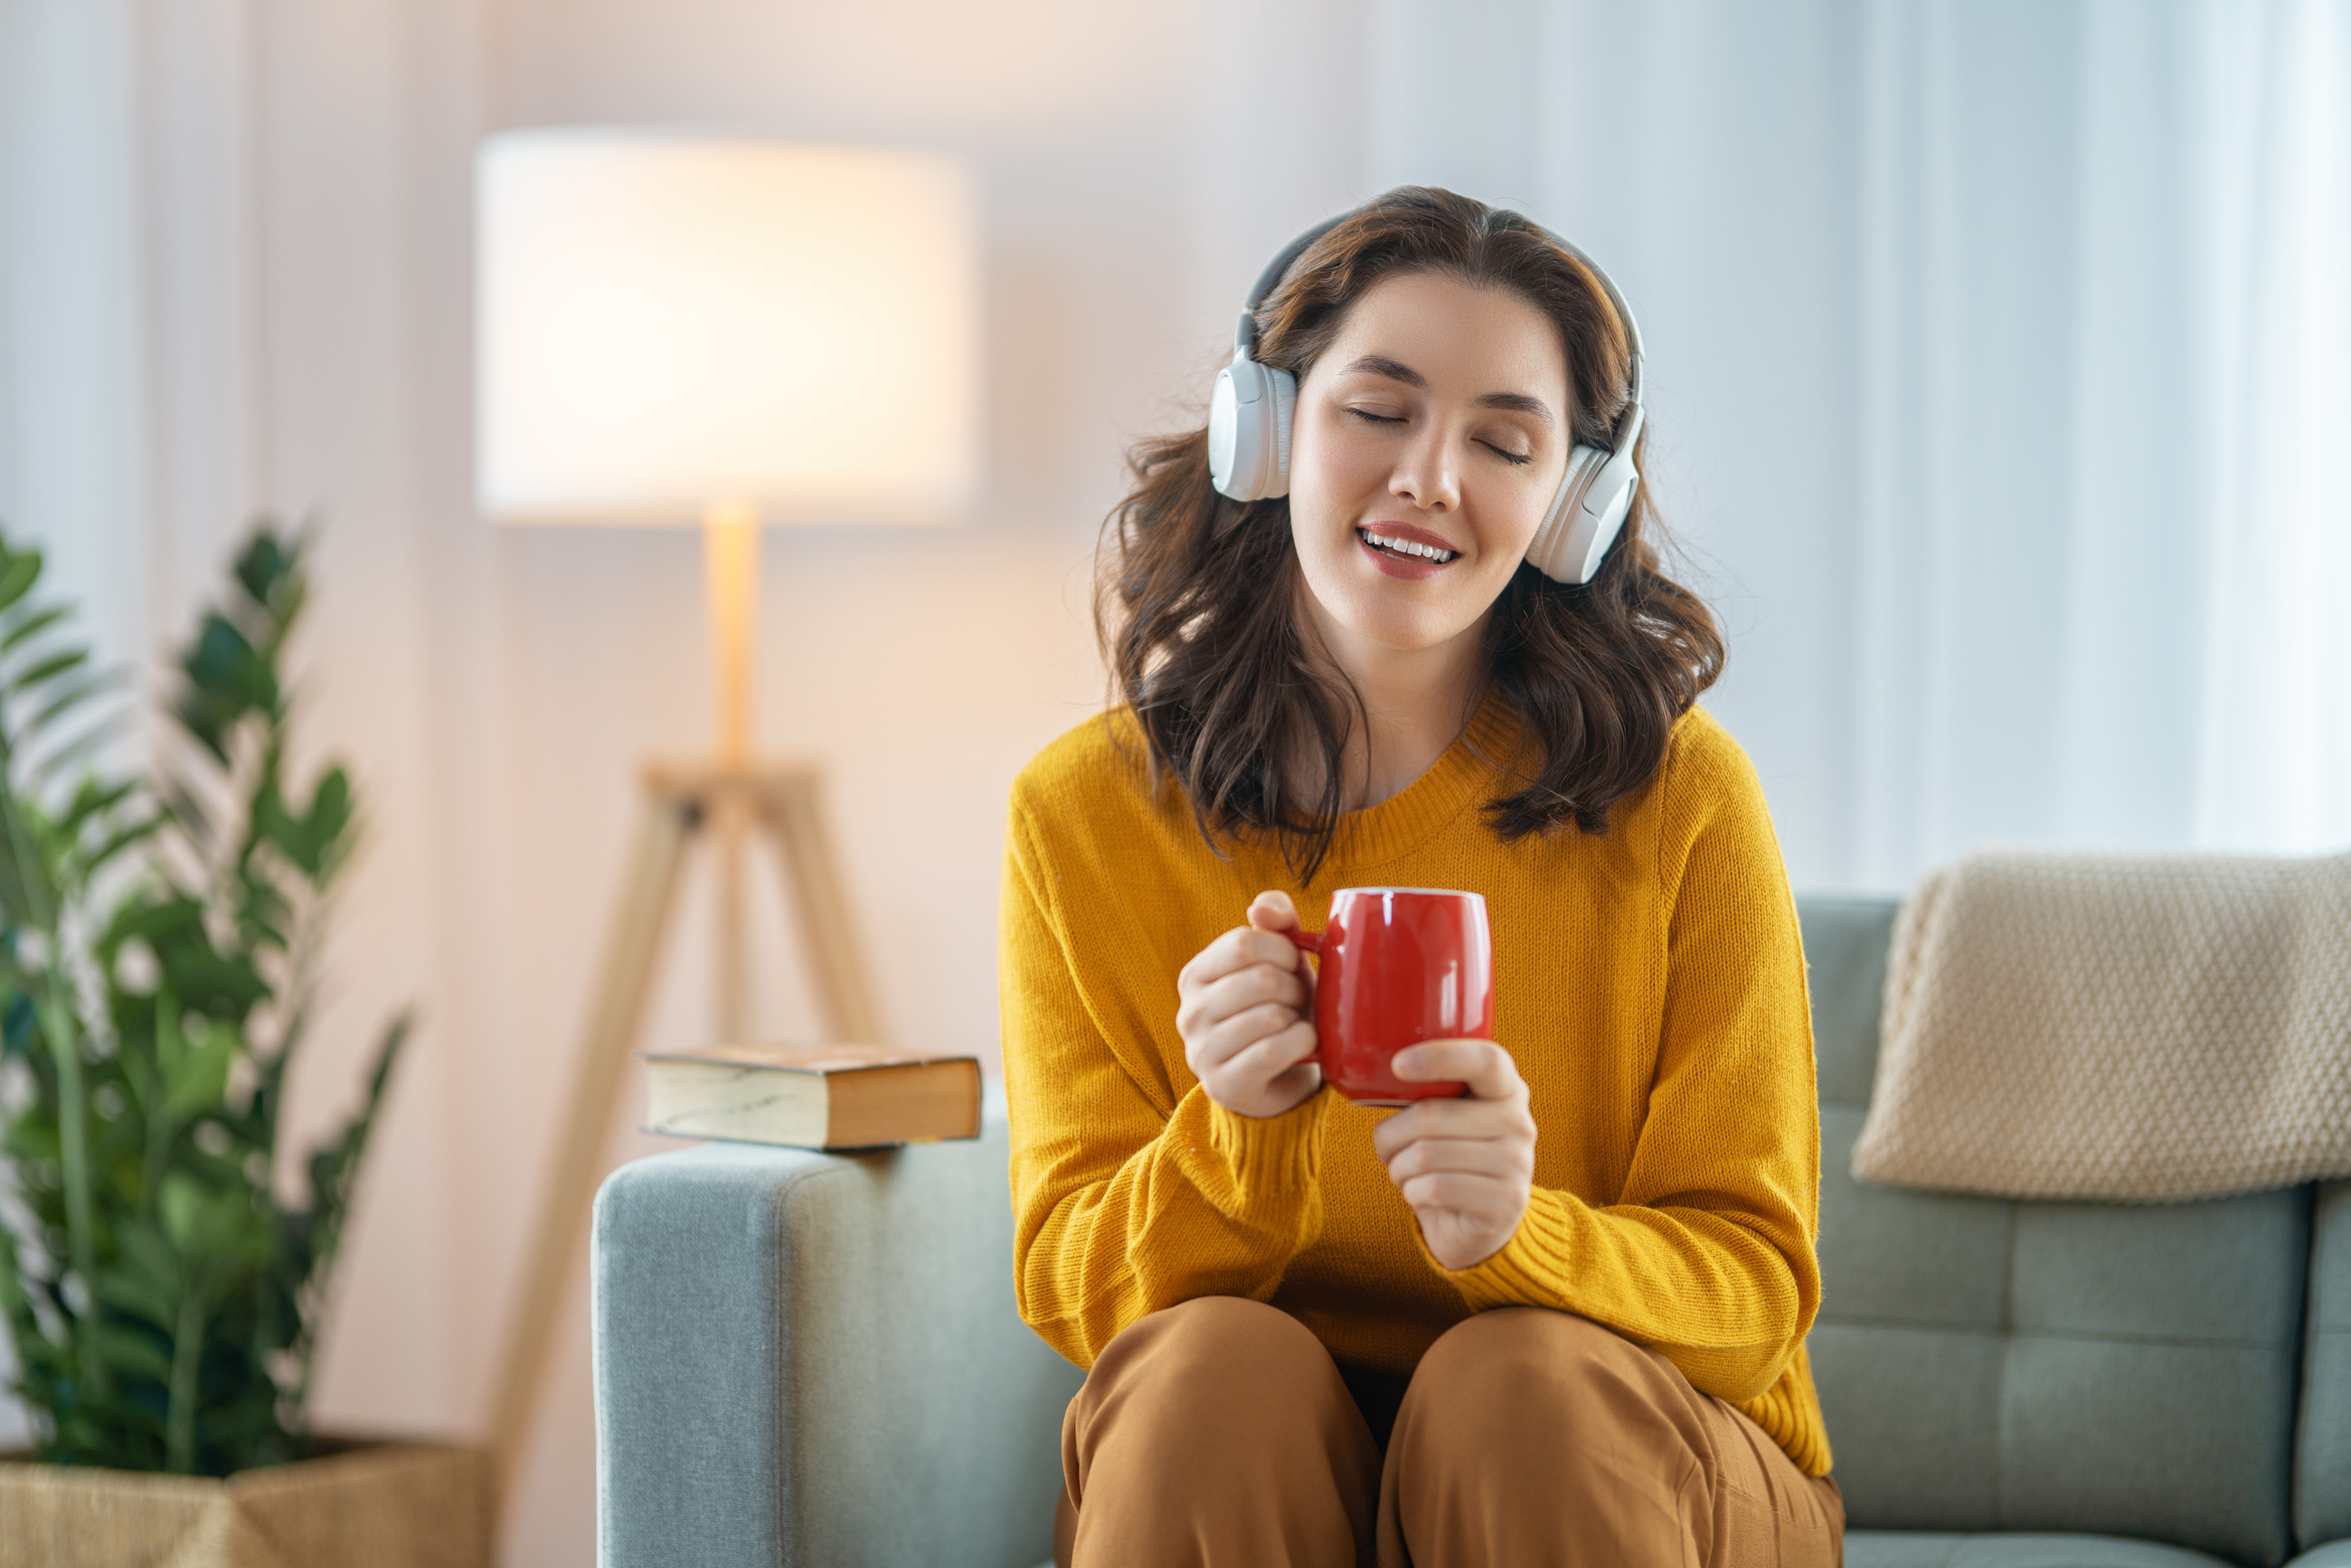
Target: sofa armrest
<point x="806" y="1358"/>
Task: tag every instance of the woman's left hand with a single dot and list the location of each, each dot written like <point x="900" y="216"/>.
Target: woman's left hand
<point x="1466" y="1165"/>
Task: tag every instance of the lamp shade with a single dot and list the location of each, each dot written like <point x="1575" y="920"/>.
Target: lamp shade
<point x="669" y="324"/>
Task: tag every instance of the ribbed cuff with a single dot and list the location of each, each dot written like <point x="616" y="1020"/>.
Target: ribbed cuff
<point x="1527" y="1271"/>
<point x="1271" y="1155"/>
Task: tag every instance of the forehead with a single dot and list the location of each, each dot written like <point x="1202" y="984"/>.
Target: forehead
<point x="1461" y="337"/>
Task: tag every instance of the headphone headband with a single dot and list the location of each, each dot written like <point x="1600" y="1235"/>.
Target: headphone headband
<point x="1245" y="333"/>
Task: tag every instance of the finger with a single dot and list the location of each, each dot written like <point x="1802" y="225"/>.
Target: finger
<point x="1236" y="949"/>
<point x="1463" y="1156"/>
<point x="1269" y="1057"/>
<point x="1300" y="1080"/>
<point x="1248" y="987"/>
<point x="1484" y="1066"/>
<point x="1499" y="1120"/>
<point x="1260" y="984"/>
<point x="1235" y="1035"/>
<point x="1272" y="911"/>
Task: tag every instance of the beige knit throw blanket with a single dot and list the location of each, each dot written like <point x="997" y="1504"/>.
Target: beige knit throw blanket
<point x="2142" y="1029"/>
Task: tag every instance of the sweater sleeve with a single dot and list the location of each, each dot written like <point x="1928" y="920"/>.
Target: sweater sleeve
<point x="1707" y="1257"/>
<point x="1129" y="1193"/>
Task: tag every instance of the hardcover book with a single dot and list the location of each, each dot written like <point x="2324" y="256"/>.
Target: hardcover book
<point x="811" y="1096"/>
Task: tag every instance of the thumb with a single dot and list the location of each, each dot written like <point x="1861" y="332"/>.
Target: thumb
<point x="1272" y="911"/>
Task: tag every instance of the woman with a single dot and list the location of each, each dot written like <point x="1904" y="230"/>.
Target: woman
<point x="1560" y="1319"/>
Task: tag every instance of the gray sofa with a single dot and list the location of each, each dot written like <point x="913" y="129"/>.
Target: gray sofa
<point x="807" y="1359"/>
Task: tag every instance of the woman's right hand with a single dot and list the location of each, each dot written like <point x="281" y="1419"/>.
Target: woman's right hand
<point x="1245" y="1008"/>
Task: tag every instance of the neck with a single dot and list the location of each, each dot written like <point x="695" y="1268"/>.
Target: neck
<point x="1415" y="702"/>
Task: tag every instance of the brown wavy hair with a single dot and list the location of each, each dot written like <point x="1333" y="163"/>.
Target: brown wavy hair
<point x="1196" y="595"/>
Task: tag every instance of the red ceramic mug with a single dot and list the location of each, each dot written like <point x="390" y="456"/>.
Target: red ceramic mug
<point x="1399" y="965"/>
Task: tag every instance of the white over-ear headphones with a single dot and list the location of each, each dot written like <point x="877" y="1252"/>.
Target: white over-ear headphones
<point x="1249" y="433"/>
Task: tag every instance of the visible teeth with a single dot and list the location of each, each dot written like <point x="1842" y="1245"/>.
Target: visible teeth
<point x="1409" y="547"/>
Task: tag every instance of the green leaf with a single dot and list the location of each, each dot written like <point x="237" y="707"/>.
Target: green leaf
<point x="31" y="626"/>
<point x="20" y="1024"/>
<point x="66" y="702"/>
<point x="94" y="798"/>
<point x="16" y="1302"/>
<point x="134" y="1291"/>
<point x="49" y="669"/>
<point x="134" y="1351"/>
<point x="268" y="570"/>
<point x="147" y="1258"/>
<point x="137" y="833"/>
<point x="184" y="1210"/>
<point x="17" y="577"/>
<point x="64" y="755"/>
<point x="218" y="1232"/>
<point x="196" y="1077"/>
<point x="186" y="812"/>
<point x="327" y="822"/>
<point x="223" y="985"/>
<point x="228" y="679"/>
<point x="31" y="1141"/>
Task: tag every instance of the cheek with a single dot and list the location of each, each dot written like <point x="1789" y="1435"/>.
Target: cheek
<point x="1331" y="468"/>
<point x="1512" y="515"/>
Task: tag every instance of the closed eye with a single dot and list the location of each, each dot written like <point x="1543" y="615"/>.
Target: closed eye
<point x="1517" y="459"/>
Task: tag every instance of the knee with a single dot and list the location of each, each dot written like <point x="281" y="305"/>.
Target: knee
<point x="1551" y="1368"/>
<point x="1182" y="1379"/>
<point x="1210" y="1343"/>
<point x="1522" y="1343"/>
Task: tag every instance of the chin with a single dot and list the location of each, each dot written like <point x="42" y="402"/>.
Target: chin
<point x="1377" y="618"/>
<point x="1399" y="614"/>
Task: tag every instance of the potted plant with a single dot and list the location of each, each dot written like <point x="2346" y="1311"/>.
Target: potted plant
<point x="161" y="1276"/>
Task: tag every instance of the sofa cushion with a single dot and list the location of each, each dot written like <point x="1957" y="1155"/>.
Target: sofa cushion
<point x="1993" y="1365"/>
<point x="2322" y="1492"/>
<point x="1888" y="1549"/>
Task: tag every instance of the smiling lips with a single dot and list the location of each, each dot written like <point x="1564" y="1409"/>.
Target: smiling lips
<point x="1401" y="551"/>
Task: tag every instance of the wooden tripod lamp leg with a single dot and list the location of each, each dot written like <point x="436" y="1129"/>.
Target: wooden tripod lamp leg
<point x="813" y="881"/>
<point x="622" y="985"/>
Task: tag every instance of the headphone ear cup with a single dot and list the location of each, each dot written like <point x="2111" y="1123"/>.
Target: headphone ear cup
<point x="1593" y="499"/>
<point x="1223" y="432"/>
<point x="1548" y="551"/>
<point x="1608" y="504"/>
<point x="1248" y="431"/>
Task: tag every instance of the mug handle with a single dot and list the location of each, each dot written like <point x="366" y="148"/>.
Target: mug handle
<point x="1307" y="941"/>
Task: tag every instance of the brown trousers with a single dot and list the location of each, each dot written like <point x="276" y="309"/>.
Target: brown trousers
<point x="1219" y="1432"/>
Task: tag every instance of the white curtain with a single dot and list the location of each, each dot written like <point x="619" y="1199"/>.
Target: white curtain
<point x="2003" y="382"/>
<point x="2106" y="434"/>
<point x="71" y="394"/>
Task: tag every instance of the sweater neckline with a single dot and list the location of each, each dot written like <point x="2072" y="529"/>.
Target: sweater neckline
<point x="1461" y="778"/>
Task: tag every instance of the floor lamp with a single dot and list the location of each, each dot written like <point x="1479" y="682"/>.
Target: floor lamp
<point x="678" y="331"/>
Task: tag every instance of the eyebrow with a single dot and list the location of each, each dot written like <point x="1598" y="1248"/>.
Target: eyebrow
<point x="1397" y="370"/>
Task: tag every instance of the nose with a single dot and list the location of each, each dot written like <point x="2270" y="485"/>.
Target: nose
<point x="1425" y="473"/>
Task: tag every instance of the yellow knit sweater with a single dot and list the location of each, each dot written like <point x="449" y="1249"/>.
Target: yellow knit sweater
<point x="1649" y="982"/>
